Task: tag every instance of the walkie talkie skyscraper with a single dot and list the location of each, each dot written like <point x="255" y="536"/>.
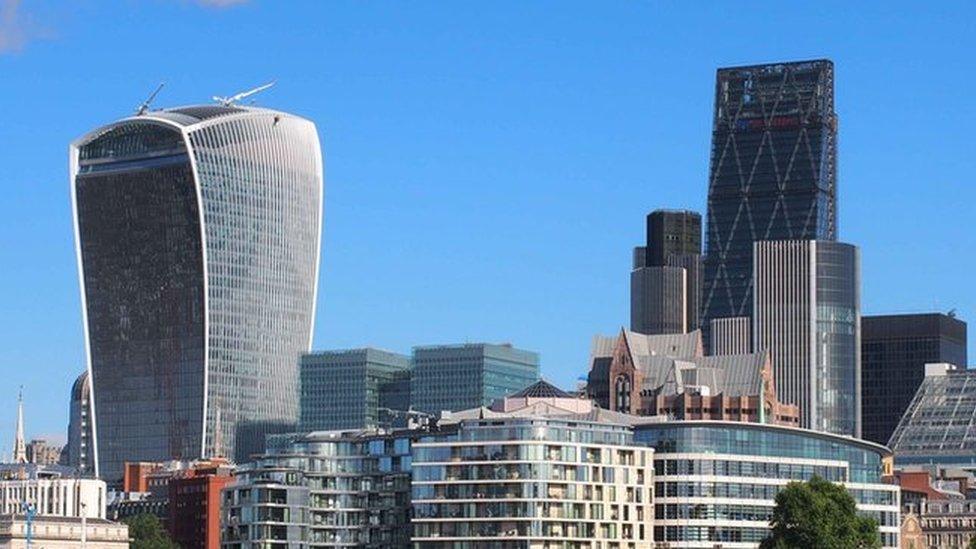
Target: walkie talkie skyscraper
<point x="198" y="234"/>
<point x="773" y="172"/>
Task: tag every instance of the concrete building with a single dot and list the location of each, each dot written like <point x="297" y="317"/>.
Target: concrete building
<point x="198" y="232"/>
<point x="946" y="524"/>
<point x="716" y="481"/>
<point x="79" y="452"/>
<point x="807" y="314"/>
<point x="351" y="389"/>
<point x="731" y="336"/>
<point x="51" y="491"/>
<point x="51" y="532"/>
<point x="665" y="283"/>
<point x="542" y="473"/>
<point x="41" y="452"/>
<point x="459" y="377"/>
<point x="668" y="375"/>
<point x="772" y="175"/>
<point x="894" y="352"/>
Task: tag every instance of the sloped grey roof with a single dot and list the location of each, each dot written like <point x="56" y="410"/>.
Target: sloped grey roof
<point x="668" y="345"/>
<point x="731" y="375"/>
<point x="545" y="410"/>
<point x="542" y="389"/>
<point x="735" y="375"/>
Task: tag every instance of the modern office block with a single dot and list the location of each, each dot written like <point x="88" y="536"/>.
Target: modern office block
<point x="938" y="428"/>
<point x="198" y="233"/>
<point x="731" y="336"/>
<point x="673" y="233"/>
<point x="349" y="389"/>
<point x="78" y="453"/>
<point x="542" y="473"/>
<point x="716" y="481"/>
<point x="807" y="315"/>
<point x="459" y="377"/>
<point x="773" y="173"/>
<point x="658" y="297"/>
<point x="894" y="352"/>
<point x="665" y="283"/>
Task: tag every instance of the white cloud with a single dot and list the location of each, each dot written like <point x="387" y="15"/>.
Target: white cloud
<point x="13" y="28"/>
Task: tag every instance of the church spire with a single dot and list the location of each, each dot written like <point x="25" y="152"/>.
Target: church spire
<point x="20" y="447"/>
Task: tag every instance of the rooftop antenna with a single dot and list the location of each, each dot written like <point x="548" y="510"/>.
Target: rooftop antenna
<point x="145" y="104"/>
<point x="229" y="101"/>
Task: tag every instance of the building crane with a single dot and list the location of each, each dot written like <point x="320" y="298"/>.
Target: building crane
<point x="229" y="101"/>
<point x="145" y="104"/>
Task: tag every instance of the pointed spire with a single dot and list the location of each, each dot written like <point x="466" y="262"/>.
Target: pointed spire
<point x="20" y="447"/>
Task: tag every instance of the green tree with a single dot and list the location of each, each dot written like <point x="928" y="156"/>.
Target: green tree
<point x="146" y="532"/>
<point x="972" y="543"/>
<point x="819" y="515"/>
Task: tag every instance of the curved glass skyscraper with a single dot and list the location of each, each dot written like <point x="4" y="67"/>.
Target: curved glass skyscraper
<point x="198" y="234"/>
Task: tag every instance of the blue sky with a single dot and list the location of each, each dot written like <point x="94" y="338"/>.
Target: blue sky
<point x="488" y="168"/>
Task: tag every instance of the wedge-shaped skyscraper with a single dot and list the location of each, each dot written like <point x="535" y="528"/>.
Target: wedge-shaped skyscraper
<point x="198" y="235"/>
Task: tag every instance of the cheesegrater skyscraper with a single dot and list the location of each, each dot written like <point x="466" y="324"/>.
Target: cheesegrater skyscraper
<point x="198" y="235"/>
<point x="773" y="173"/>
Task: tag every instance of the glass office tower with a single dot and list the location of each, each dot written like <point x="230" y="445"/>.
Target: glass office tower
<point x="352" y="388"/>
<point x="469" y="375"/>
<point x="773" y="172"/>
<point x="807" y="315"/>
<point x="198" y="246"/>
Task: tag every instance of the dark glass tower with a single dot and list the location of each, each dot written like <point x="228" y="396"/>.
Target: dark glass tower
<point x="772" y="175"/>
<point x="665" y="284"/>
<point x="894" y="352"/>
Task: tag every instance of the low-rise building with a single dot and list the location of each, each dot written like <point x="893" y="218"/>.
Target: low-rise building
<point x="323" y="489"/>
<point x="668" y="375"/>
<point x="49" y="532"/>
<point x="194" y="504"/>
<point x="716" y="481"/>
<point x="540" y="472"/>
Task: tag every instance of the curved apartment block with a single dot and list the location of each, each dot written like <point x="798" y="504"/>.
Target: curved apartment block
<point x="198" y="236"/>
<point x="716" y="481"/>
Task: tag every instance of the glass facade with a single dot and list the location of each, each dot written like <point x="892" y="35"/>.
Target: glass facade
<point x="198" y="238"/>
<point x="349" y="389"/>
<point x="532" y="482"/>
<point x="772" y="174"/>
<point x="460" y="377"/>
<point x="715" y="482"/>
<point x="838" y="345"/>
<point x="939" y="426"/>
<point x="807" y="314"/>
<point x="357" y="491"/>
<point x="894" y="352"/>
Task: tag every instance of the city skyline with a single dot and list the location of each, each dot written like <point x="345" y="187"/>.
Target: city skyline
<point x="470" y="262"/>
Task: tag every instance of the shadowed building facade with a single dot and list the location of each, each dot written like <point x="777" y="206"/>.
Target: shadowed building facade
<point x="894" y="352"/>
<point x="198" y="246"/>
<point x="665" y="283"/>
<point x="773" y="172"/>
